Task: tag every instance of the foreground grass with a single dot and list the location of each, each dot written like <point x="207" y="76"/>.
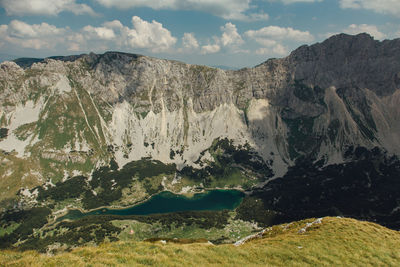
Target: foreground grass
<point x="335" y="241"/>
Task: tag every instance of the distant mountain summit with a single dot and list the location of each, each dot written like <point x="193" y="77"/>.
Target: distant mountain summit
<point x="6" y="57"/>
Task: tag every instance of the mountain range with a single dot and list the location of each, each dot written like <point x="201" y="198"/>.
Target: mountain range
<point x="313" y="134"/>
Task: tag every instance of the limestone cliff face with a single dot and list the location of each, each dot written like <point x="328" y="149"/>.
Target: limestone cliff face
<point x="65" y="116"/>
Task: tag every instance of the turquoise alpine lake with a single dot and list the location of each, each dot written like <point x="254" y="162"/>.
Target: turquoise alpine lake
<point x="166" y="202"/>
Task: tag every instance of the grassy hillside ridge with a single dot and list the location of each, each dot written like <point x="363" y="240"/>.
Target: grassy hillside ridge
<point x="334" y="241"/>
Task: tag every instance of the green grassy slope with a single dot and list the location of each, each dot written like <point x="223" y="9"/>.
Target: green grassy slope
<point x="333" y="242"/>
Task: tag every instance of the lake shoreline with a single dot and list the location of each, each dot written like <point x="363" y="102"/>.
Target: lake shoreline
<point x="187" y="195"/>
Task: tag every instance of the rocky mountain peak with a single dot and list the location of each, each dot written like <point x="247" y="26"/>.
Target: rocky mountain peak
<point x="347" y="61"/>
<point x="341" y="45"/>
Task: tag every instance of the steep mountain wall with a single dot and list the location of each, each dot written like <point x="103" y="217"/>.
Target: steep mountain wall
<point x="62" y="117"/>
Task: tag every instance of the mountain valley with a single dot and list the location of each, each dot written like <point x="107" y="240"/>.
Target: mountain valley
<point x="311" y="135"/>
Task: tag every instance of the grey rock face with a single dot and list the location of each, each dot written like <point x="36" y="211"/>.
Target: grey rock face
<point x="313" y="103"/>
<point x="350" y="61"/>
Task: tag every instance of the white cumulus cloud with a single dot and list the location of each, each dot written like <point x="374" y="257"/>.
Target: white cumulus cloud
<point x="35" y="36"/>
<point x="274" y="39"/>
<point x="230" y="40"/>
<point x="146" y="35"/>
<point x="115" y="24"/>
<point x="210" y="49"/>
<point x="103" y="33"/>
<point x="111" y="35"/>
<point x="277" y="49"/>
<point x="271" y="47"/>
<point x="227" y="9"/>
<point x="149" y="35"/>
<point x="230" y="36"/>
<point x="21" y="29"/>
<point x="379" y="6"/>
<point x="189" y="41"/>
<point x="44" y="7"/>
<point x="280" y="33"/>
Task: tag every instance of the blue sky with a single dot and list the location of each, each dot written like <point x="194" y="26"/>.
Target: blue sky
<point x="236" y="33"/>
